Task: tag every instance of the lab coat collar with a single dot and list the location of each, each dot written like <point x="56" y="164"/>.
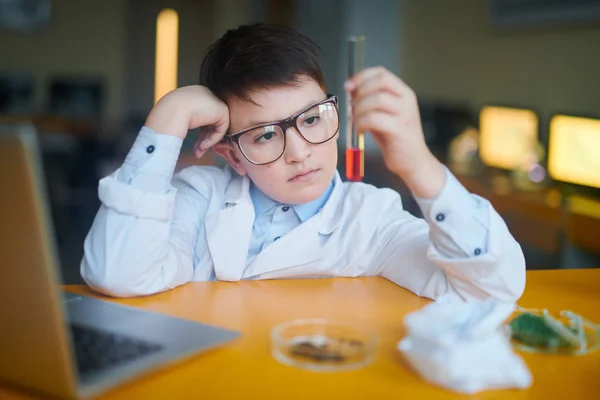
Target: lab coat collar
<point x="331" y="213"/>
<point x="264" y="204"/>
<point x="228" y="233"/>
<point x="238" y="190"/>
<point x="307" y="210"/>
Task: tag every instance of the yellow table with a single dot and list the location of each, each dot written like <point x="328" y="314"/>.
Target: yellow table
<point x="246" y="369"/>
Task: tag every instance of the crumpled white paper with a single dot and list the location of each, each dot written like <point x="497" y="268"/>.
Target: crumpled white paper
<point x="462" y="346"/>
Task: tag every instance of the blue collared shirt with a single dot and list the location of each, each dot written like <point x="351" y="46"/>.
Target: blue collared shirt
<point x="273" y="220"/>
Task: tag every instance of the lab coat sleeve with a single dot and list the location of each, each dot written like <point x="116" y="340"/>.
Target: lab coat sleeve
<point x="142" y="239"/>
<point x="151" y="161"/>
<point x="462" y="246"/>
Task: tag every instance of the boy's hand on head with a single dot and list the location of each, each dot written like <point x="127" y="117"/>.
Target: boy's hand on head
<point x="385" y="106"/>
<point x="191" y="107"/>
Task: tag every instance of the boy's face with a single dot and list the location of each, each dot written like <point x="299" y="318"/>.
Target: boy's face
<point x="304" y="171"/>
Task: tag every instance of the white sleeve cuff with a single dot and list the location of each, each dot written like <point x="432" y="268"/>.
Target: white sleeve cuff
<point x="151" y="162"/>
<point x="499" y="272"/>
<point x="458" y="220"/>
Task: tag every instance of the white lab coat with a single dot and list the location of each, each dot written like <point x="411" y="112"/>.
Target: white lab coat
<point x="143" y="243"/>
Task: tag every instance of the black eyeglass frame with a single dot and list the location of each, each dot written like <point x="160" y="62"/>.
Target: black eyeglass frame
<point x="284" y="125"/>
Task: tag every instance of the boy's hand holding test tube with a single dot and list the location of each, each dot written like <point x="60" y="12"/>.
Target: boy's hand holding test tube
<point x="387" y="108"/>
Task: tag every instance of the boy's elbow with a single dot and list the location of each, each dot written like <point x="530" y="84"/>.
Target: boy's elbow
<point x="503" y="279"/>
<point x="118" y="288"/>
<point x="508" y="282"/>
<point x="108" y="283"/>
<point x="105" y="285"/>
<point x="514" y="273"/>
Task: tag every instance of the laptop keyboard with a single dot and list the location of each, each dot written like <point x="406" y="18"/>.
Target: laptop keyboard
<point x="96" y="349"/>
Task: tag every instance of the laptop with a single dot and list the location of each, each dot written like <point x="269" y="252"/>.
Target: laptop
<point x="57" y="343"/>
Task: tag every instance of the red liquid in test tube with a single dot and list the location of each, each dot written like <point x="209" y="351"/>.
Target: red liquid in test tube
<point x="354" y="164"/>
<point x="355" y="144"/>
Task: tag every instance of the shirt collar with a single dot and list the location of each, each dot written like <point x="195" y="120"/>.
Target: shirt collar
<point x="263" y="203"/>
<point x="310" y="209"/>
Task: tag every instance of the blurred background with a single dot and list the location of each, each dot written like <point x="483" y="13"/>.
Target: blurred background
<point x="509" y="94"/>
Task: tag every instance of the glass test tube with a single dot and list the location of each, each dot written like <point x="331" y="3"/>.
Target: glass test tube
<point x="355" y="142"/>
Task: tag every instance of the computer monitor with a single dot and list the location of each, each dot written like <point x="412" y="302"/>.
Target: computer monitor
<point x="76" y="96"/>
<point x="507" y="136"/>
<point x="16" y="92"/>
<point x="574" y="150"/>
<point x="444" y="121"/>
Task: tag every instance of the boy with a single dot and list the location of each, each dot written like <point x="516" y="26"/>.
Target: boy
<point x="280" y="209"/>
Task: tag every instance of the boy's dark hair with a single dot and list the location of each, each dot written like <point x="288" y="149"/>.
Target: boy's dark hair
<point x="259" y="56"/>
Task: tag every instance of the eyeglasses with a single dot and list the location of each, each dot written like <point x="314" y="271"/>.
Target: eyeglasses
<point x="264" y="144"/>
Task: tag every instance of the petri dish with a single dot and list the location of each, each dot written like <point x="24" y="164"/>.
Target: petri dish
<point x="322" y="345"/>
<point x="538" y="331"/>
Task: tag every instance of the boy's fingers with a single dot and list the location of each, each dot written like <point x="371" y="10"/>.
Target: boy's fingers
<point x="376" y="85"/>
<point x="355" y="81"/>
<point x="211" y="140"/>
<point x="375" y="79"/>
<point x="376" y="122"/>
<point x="385" y="82"/>
<point x="197" y="152"/>
<point x="215" y="134"/>
<point x="380" y="101"/>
